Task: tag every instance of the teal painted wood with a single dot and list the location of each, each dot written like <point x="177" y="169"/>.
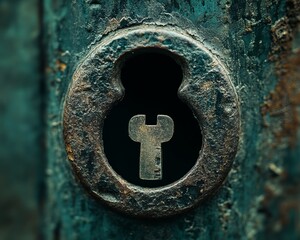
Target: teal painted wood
<point x="260" y="198"/>
<point x="20" y="119"/>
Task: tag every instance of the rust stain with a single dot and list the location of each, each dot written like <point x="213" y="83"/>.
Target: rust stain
<point x="287" y="201"/>
<point x="70" y="152"/>
<point x="284" y="100"/>
<point x="61" y="66"/>
<point x="286" y="207"/>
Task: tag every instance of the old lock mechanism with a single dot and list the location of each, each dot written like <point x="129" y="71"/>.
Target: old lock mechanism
<point x="207" y="91"/>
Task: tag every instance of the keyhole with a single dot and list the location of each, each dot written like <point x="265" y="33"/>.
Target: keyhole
<point x="151" y="78"/>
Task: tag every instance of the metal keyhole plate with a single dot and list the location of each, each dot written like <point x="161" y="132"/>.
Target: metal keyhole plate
<point x="206" y="88"/>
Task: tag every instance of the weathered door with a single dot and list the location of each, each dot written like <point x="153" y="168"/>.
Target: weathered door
<point x="256" y="44"/>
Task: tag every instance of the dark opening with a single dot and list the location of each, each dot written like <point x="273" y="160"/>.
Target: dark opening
<point x="151" y="79"/>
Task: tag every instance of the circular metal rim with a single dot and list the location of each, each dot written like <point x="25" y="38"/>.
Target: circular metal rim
<point x="95" y="87"/>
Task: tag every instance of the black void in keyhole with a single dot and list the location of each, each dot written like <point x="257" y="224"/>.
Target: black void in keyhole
<point x="151" y="78"/>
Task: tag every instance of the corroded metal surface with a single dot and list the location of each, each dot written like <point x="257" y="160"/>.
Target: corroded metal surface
<point x="206" y="89"/>
<point x="151" y="137"/>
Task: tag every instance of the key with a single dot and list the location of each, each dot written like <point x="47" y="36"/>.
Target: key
<point x="151" y="137"/>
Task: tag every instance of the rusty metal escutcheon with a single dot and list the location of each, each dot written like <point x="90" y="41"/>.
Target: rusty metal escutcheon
<point x="206" y="88"/>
